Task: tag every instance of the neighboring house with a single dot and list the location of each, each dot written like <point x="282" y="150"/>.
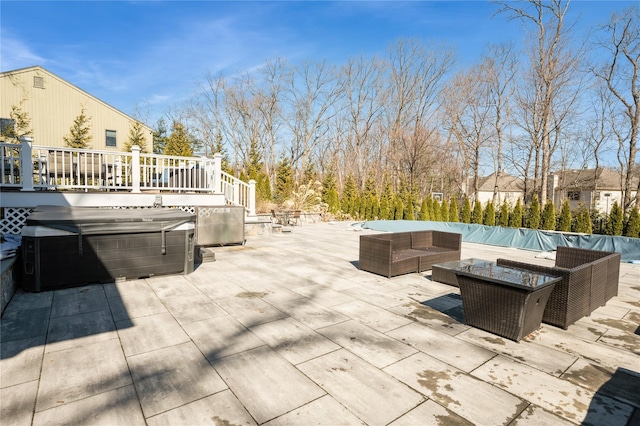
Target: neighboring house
<point x="53" y="104"/>
<point x="509" y="188"/>
<point x="592" y="188"/>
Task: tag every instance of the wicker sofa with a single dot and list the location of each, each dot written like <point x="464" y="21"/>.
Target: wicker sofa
<point x="589" y="279"/>
<point x="398" y="253"/>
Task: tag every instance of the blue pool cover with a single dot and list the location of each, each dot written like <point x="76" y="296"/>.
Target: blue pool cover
<point x="527" y="239"/>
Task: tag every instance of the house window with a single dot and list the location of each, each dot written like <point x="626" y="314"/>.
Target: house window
<point x="573" y="195"/>
<point x="38" y="82"/>
<point x="6" y="126"/>
<point x="111" y="138"/>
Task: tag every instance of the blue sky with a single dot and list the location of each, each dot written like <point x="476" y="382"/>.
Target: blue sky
<point x="154" y="52"/>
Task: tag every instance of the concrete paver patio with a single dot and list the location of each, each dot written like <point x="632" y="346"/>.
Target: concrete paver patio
<point x="287" y="330"/>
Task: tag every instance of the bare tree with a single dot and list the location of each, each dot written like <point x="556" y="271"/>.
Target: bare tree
<point x="597" y="133"/>
<point x="621" y="75"/>
<point x="548" y="92"/>
<point x="359" y="82"/>
<point x="499" y="67"/>
<point x="468" y="116"/>
<point x="416" y="78"/>
<point x="269" y="104"/>
<point x="312" y="92"/>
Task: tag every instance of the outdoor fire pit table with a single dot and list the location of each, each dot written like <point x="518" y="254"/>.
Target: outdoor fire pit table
<point x="505" y="301"/>
<point x="446" y="272"/>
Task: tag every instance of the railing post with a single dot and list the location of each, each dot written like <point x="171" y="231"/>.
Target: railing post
<point x="217" y="172"/>
<point x="26" y="163"/>
<point x="252" y="197"/>
<point x="135" y="169"/>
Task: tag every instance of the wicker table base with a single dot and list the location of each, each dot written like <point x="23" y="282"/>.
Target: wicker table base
<point x="508" y="302"/>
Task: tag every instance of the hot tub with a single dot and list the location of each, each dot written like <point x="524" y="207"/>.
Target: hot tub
<point x="71" y="246"/>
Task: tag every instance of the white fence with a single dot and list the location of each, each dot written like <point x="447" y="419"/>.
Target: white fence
<point x="40" y="168"/>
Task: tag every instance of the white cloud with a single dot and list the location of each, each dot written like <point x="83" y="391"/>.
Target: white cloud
<point x="16" y="54"/>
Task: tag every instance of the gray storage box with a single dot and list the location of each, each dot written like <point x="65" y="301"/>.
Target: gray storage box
<point x="219" y="225"/>
<point x="70" y="246"/>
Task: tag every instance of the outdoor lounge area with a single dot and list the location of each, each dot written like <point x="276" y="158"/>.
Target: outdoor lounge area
<point x="288" y="330"/>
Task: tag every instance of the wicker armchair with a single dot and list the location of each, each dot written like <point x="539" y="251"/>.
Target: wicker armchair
<point x="606" y="271"/>
<point x="586" y="283"/>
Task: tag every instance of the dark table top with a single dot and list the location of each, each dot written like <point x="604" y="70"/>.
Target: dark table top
<point x="504" y="275"/>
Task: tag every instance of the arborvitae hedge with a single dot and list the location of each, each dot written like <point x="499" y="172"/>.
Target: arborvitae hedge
<point x="408" y="210"/>
<point x="399" y="209"/>
<point x="565" y="219"/>
<point x="476" y="215"/>
<point x="515" y="219"/>
<point x="548" y="217"/>
<point x="489" y="214"/>
<point x="453" y="211"/>
<point x="533" y="213"/>
<point x="330" y="193"/>
<point x="436" y="212"/>
<point x="465" y="217"/>
<point x="615" y="220"/>
<point x="582" y="222"/>
<point x="444" y="211"/>
<point x="424" y="210"/>
<point x="503" y="219"/>
<point x="632" y="225"/>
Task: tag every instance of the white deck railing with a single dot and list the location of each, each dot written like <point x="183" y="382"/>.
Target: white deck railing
<point x="30" y="168"/>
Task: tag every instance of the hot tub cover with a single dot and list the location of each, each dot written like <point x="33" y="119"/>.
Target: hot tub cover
<point x="92" y="220"/>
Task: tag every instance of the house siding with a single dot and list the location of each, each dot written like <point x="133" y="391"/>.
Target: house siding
<point x="53" y="109"/>
<point x="592" y="190"/>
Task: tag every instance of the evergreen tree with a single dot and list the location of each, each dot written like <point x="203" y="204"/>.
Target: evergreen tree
<point x="160" y="137"/>
<point x="330" y="192"/>
<point x="80" y="132"/>
<point x="533" y="213"/>
<point x="465" y="217"/>
<point x="489" y="214"/>
<point x="284" y="183"/>
<point x="444" y="211"/>
<point x="349" y="195"/>
<point x="255" y="171"/>
<point x="20" y="125"/>
<point x="370" y="197"/>
<point x="548" y="217"/>
<point x="504" y="214"/>
<point x="614" y="220"/>
<point x="375" y="208"/>
<point x="430" y="213"/>
<point x="409" y="214"/>
<point x="178" y="142"/>
<point x="564" y="222"/>
<point x="399" y="208"/>
<point x="515" y="220"/>
<point x="453" y="211"/>
<point x="383" y="214"/>
<point x="354" y="210"/>
<point x="476" y="215"/>
<point x="387" y="201"/>
<point x="310" y="174"/>
<point x="632" y="225"/>
<point x="436" y="211"/>
<point x="361" y="207"/>
<point x="424" y="210"/>
<point x="583" y="223"/>
<point x="136" y="137"/>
